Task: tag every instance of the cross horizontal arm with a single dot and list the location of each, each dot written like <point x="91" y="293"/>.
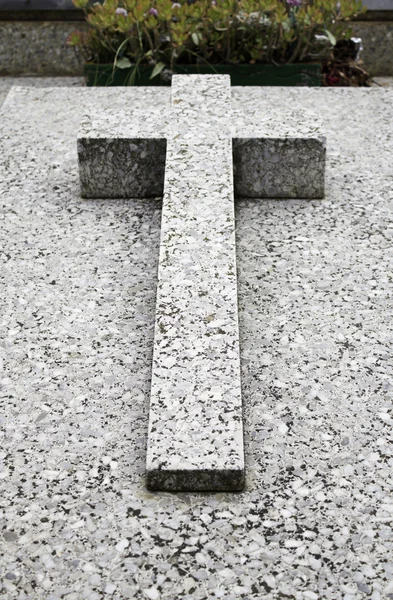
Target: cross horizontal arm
<point x="275" y="155"/>
<point x="112" y="165"/>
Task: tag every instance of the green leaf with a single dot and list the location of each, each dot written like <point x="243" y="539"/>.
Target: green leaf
<point x="195" y="38"/>
<point x="123" y="63"/>
<point x="80" y="3"/>
<point x="331" y="37"/>
<point x="157" y="69"/>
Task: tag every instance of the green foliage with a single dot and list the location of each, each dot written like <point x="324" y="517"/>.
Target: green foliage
<point x="165" y="32"/>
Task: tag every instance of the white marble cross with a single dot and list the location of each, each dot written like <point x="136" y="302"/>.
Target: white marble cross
<point x="189" y="155"/>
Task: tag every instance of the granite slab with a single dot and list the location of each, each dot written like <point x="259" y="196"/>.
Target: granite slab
<point x="277" y="154"/>
<point x="78" y="280"/>
<point x="6" y="83"/>
<point x="195" y="439"/>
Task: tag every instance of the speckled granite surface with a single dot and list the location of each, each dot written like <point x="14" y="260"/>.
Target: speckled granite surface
<point x="6" y="83"/>
<point x="78" y="283"/>
<point x="195" y="439"/>
<point x="276" y="154"/>
<point x="377" y="41"/>
<point x="38" y="48"/>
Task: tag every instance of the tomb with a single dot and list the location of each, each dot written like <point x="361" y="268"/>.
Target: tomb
<point x="199" y="154"/>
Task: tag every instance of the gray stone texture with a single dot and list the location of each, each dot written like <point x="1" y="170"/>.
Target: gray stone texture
<point x="38" y="48"/>
<point x="195" y="439"/>
<point x="6" y="83"/>
<point x="278" y="154"/>
<point x="195" y="434"/>
<point x="122" y="153"/>
<point x="288" y="169"/>
<point x="377" y="38"/>
<point x="378" y="4"/>
<point x="78" y="280"/>
<point x="275" y="155"/>
<point x="132" y="168"/>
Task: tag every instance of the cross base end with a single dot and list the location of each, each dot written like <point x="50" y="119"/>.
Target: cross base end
<point x="201" y="480"/>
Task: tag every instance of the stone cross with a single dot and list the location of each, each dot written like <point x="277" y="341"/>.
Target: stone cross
<point x="189" y="155"/>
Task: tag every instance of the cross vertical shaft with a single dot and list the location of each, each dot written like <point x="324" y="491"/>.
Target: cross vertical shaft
<point x="195" y="437"/>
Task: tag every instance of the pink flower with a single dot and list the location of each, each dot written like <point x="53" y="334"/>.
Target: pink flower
<point x="332" y="80"/>
<point x="121" y="11"/>
<point x="294" y="2"/>
<point x="153" y="11"/>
